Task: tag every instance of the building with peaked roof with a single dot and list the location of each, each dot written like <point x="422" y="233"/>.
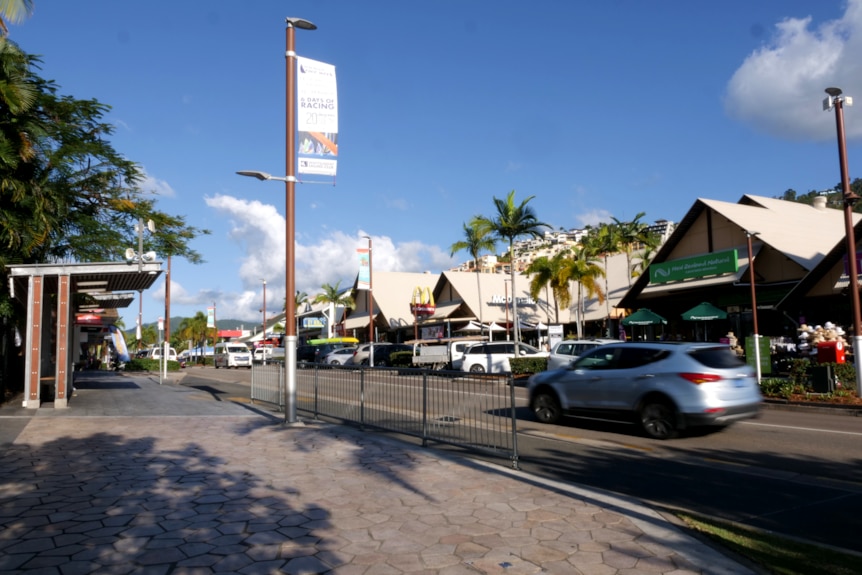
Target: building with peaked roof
<point x="797" y="252"/>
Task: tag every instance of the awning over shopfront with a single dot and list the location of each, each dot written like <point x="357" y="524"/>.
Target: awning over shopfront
<point x="704" y="312"/>
<point x="443" y="311"/>
<point x="358" y="321"/>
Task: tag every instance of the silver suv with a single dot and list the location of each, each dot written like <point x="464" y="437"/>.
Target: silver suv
<point x="664" y="387"/>
<point x="571" y="349"/>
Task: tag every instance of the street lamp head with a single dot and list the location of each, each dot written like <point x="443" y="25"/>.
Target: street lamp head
<point x="834" y="92"/>
<point x="300" y="23"/>
<point x="263" y="176"/>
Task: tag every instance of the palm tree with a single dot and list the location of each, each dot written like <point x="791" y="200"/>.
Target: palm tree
<point x="476" y="240"/>
<point x="195" y="330"/>
<point x="582" y="268"/>
<point x="511" y="221"/>
<point x="632" y="235"/>
<point x="333" y="295"/>
<point x="604" y="241"/>
<point x="642" y="260"/>
<point x="14" y="11"/>
<point x="547" y="273"/>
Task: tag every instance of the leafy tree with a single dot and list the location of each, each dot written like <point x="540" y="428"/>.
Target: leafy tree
<point x="334" y="296"/>
<point x="476" y="240"/>
<point x="65" y="193"/>
<point x="511" y="221"/>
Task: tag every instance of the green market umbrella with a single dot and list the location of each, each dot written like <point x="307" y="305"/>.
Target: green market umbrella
<point x="643" y="316"/>
<point x="704" y="312"/>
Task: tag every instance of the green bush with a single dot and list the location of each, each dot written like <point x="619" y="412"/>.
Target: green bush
<point x="401" y="359"/>
<point x="144" y="364"/>
<point x="528" y="365"/>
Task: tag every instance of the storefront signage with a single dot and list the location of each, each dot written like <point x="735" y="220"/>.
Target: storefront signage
<point x="712" y="264"/>
<point x="422" y="302"/>
<point x="502" y="300"/>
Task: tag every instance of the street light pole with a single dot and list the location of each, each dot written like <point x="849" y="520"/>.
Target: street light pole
<point x="370" y="304"/>
<point x="837" y="101"/>
<point x="289" y="217"/>
<point x="748" y="235"/>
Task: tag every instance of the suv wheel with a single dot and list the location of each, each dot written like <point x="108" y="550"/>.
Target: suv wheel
<point x="658" y="419"/>
<point x="477" y="368"/>
<point x="546" y="407"/>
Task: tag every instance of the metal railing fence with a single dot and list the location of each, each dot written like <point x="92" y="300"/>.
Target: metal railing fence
<point x="468" y="410"/>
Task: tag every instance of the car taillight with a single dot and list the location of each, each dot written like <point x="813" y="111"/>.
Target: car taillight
<point x="698" y="378"/>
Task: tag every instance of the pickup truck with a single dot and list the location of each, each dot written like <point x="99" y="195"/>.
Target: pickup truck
<point x="442" y="353"/>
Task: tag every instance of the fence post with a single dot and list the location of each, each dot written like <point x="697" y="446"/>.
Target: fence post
<point x="424" y="408"/>
<point x="362" y="371"/>
<point x="514" y="422"/>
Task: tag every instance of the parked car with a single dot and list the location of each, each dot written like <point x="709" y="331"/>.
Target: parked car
<point x="494" y="356"/>
<point x="360" y="354"/>
<point x="570" y="349"/>
<point x="339" y="356"/>
<point x="664" y="387"/>
<point x="316" y="352"/>
<point x="383" y="353"/>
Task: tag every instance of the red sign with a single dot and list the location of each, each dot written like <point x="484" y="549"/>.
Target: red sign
<point x="88" y="319"/>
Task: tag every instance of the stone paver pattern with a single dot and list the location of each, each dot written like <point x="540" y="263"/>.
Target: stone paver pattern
<point x="242" y="493"/>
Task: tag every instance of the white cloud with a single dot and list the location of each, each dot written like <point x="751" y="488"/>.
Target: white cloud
<point x="779" y="87"/>
<point x="156" y="186"/>
<point x="258" y="229"/>
<point x="593" y="218"/>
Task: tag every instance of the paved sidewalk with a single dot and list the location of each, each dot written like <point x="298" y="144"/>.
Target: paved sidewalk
<point x="137" y="477"/>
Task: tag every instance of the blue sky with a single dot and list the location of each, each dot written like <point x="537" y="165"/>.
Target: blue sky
<point x="598" y="109"/>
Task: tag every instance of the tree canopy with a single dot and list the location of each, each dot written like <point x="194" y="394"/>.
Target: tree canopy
<point x="66" y="195"/>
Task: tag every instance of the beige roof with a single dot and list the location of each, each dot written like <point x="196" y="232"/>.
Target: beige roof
<point x="391" y="293"/>
<point x="801" y="232"/>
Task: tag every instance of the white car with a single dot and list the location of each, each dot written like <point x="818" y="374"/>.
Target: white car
<point x="566" y="351"/>
<point x="360" y="353"/>
<point x="494" y="356"/>
<point x="339" y="356"/>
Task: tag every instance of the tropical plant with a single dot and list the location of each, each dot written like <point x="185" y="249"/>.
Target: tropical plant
<point x="194" y="329"/>
<point x="547" y="272"/>
<point x="633" y="234"/>
<point x="582" y="268"/>
<point x="604" y="241"/>
<point x="334" y="296"/>
<point x="511" y="221"/>
<point x="476" y="240"/>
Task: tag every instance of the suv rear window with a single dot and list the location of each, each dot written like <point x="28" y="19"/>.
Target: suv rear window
<point x="717" y="357"/>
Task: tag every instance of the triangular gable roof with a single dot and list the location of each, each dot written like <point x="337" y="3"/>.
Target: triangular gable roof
<point x="799" y="231"/>
<point x="391" y="295"/>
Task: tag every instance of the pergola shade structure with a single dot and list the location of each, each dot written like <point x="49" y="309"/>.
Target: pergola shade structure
<point x="74" y="288"/>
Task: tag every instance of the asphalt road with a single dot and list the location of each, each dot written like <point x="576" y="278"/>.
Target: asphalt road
<point x="798" y="474"/>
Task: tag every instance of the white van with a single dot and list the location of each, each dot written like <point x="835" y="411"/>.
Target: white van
<point x="227" y="354"/>
<point x="156" y="353"/>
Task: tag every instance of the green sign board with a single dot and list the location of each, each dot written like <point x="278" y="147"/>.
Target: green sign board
<point x="765" y="351"/>
<point x="696" y="267"/>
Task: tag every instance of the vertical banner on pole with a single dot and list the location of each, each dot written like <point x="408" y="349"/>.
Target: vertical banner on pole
<point x="317" y="117"/>
<point x="364" y="279"/>
<point x="210" y="317"/>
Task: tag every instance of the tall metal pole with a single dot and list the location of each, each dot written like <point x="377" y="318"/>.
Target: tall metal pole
<point x="748" y="235"/>
<point x="167" y="344"/>
<point x="264" y="311"/>
<point x="837" y="101"/>
<point x="290" y="216"/>
<point x="370" y="303"/>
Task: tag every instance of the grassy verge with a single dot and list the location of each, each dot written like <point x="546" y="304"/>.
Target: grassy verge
<point x="774" y="553"/>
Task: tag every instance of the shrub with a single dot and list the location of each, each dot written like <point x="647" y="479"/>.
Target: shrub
<point x="528" y="365"/>
<point x="401" y="359"/>
<point x="145" y="364"/>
